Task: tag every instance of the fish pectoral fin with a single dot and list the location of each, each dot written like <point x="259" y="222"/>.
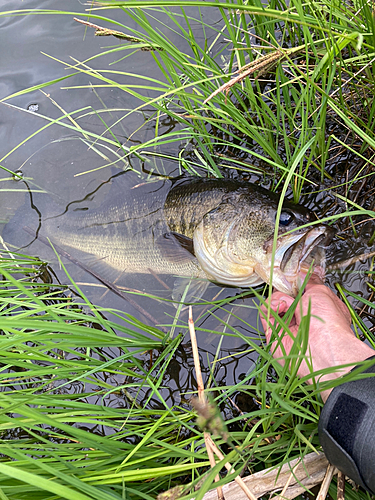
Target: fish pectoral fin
<point x="189" y="290"/>
<point x="173" y="250"/>
<point x="185" y="242"/>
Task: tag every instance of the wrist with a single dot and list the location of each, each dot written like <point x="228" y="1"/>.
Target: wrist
<point x="349" y="354"/>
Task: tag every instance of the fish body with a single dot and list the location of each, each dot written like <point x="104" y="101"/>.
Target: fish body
<point x="125" y="233"/>
<point x="220" y="230"/>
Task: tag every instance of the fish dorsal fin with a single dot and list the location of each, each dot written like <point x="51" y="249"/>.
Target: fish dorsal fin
<point x="175" y="247"/>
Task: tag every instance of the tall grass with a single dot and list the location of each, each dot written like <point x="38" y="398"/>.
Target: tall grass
<point x="308" y="98"/>
<point x="265" y="120"/>
<point x="83" y="413"/>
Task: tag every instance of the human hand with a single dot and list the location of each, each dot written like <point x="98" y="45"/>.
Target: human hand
<point x="331" y="339"/>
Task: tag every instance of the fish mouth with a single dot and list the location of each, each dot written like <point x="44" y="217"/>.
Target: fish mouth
<point x="297" y="252"/>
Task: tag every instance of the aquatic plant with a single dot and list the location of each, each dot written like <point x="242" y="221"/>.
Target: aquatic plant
<point x="284" y="92"/>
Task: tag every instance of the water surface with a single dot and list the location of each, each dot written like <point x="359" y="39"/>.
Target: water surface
<point x="74" y="171"/>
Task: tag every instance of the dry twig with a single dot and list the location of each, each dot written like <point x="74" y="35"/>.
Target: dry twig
<point x="340" y="486"/>
<point x="201" y="396"/>
<point x="331" y="470"/>
<point x="210" y="445"/>
<point x="349" y="262"/>
<point x="273" y="480"/>
<point x="287" y="484"/>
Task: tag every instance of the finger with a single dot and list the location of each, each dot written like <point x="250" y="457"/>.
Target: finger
<point x="267" y="321"/>
<point x="338" y="303"/>
<point x="278" y="300"/>
<point x="315" y="279"/>
<point x="323" y="303"/>
<point x="280" y="303"/>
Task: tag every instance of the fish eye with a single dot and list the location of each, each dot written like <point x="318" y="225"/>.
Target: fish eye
<point x="286" y="218"/>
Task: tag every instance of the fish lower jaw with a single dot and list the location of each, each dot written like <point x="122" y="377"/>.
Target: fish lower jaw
<point x="300" y="255"/>
<point x="285" y="284"/>
<point x="277" y="279"/>
<point x="290" y="283"/>
<point x="245" y="280"/>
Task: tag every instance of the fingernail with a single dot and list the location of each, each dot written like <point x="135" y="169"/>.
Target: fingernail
<point x="276" y="303"/>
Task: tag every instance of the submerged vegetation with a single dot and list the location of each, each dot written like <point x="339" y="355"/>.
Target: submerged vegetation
<point x="281" y="93"/>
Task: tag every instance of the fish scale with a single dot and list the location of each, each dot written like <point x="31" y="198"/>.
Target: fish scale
<point x="218" y="229"/>
<point x="124" y="237"/>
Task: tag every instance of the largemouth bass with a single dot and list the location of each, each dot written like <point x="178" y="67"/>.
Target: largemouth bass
<point x="217" y="230"/>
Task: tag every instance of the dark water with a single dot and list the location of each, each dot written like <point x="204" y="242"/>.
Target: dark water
<point x="75" y="170"/>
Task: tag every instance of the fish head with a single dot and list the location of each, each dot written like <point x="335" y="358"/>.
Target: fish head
<point x="295" y="253"/>
<point x="234" y="242"/>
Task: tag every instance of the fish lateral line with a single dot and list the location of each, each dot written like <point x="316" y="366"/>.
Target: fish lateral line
<point x="108" y="284"/>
